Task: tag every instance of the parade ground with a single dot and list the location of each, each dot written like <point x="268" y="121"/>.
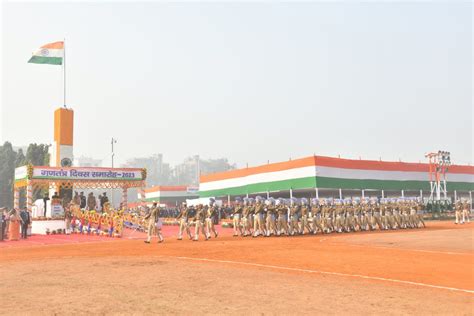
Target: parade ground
<point x="422" y="271"/>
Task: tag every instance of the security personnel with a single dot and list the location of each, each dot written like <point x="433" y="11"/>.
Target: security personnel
<point x="396" y="210"/>
<point x="465" y="211"/>
<point x="152" y="218"/>
<point x="349" y="211"/>
<point x="316" y="214"/>
<point x="270" y="214"/>
<point x="377" y="217"/>
<point x="251" y="216"/>
<point x="245" y="218"/>
<point x="183" y="217"/>
<point x="305" y="217"/>
<point x="357" y="214"/>
<point x="458" y="212"/>
<point x="294" y="214"/>
<point x="236" y="214"/>
<point x="258" y="226"/>
<point x="282" y="219"/>
<point x="199" y="222"/>
<point x="419" y="214"/>
<point x="210" y="215"/>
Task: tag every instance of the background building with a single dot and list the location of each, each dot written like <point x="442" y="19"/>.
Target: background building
<point x="171" y="196"/>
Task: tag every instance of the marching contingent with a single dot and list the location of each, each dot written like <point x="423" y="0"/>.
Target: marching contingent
<point x="289" y="217"/>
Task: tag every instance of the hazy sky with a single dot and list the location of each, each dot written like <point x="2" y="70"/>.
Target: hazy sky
<point x="248" y="81"/>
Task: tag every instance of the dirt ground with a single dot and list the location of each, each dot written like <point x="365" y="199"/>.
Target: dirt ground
<point x="424" y="271"/>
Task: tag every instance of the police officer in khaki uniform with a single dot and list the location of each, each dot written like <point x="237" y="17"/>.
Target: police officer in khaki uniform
<point x="258" y="225"/>
<point x="282" y="217"/>
<point x="198" y="219"/>
<point x="270" y="215"/>
<point x="236" y="217"/>
<point x="316" y="214"/>
<point x="245" y="218"/>
<point x="294" y="215"/>
<point x="210" y="214"/>
<point x="305" y="209"/>
<point x="458" y="209"/>
<point x="466" y="211"/>
<point x="183" y="218"/>
<point x="152" y="218"/>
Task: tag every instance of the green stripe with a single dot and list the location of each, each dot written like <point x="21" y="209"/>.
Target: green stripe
<point x="336" y="183"/>
<point x="332" y="183"/>
<point x="46" y="60"/>
<point x="301" y="183"/>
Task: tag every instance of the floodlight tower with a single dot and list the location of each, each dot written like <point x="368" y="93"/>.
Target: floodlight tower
<point x="439" y="163"/>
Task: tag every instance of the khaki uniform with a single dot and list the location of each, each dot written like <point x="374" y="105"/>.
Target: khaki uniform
<point x="466" y="211"/>
<point x="153" y="217"/>
<point x="317" y="219"/>
<point x="183" y="223"/>
<point x="199" y="223"/>
<point x="458" y="212"/>
<point x="258" y="226"/>
<point x="211" y="212"/>
<point x="245" y="220"/>
<point x="294" y="211"/>
<point x="350" y="222"/>
<point x="282" y="223"/>
<point x="270" y="222"/>
<point x="304" y="220"/>
<point x="237" y="213"/>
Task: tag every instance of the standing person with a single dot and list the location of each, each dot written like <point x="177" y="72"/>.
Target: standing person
<point x="91" y="202"/>
<point x="316" y="213"/>
<point x="258" y="225"/>
<point x="245" y="218"/>
<point x="305" y="209"/>
<point x="103" y="199"/>
<point x="68" y="218"/>
<point x="6" y="223"/>
<point x="236" y="213"/>
<point x="14" y="227"/>
<point x="458" y="212"/>
<point x="2" y="224"/>
<point x="270" y="222"/>
<point x="77" y="199"/>
<point x="152" y="218"/>
<point x="199" y="222"/>
<point x="45" y="201"/>
<point x="24" y="221"/>
<point x="210" y="215"/>
<point x="183" y="217"/>
<point x="465" y="212"/>
<point x="83" y="200"/>
<point x="282" y="220"/>
<point x="294" y="215"/>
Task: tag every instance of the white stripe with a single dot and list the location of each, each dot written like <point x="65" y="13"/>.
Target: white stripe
<point x="164" y="194"/>
<point x="49" y="52"/>
<point x="325" y="272"/>
<point x="294" y="173"/>
<point x="344" y="173"/>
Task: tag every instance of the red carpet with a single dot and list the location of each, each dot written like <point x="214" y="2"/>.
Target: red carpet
<point x="40" y="240"/>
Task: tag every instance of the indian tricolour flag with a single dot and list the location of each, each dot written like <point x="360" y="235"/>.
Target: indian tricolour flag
<point x="52" y="54"/>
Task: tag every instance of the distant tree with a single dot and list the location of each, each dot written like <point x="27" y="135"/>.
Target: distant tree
<point x="37" y="155"/>
<point x="20" y="159"/>
<point x="7" y="174"/>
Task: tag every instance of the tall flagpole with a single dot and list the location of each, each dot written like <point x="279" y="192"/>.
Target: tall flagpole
<point x="64" y="74"/>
